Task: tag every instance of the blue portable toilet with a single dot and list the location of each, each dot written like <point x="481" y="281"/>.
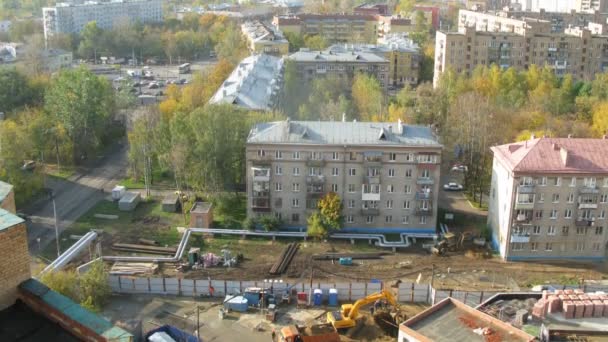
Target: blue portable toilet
<point x="333" y="297"/>
<point x="318" y="297"/>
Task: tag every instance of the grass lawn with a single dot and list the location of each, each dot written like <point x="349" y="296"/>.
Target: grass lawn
<point x="64" y="172"/>
<point x="475" y="203"/>
<point x="159" y="179"/>
<point x="128" y="228"/>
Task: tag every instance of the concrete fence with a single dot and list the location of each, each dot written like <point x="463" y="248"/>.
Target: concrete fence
<point x="347" y="291"/>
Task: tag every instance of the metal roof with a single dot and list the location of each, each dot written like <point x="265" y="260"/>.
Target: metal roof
<point x="5" y="189"/>
<point x="252" y="83"/>
<point x="342" y="133"/>
<point x="8" y="219"/>
<point x="305" y="55"/>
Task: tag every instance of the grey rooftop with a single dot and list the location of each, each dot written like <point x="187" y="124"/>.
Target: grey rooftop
<point x="305" y="55"/>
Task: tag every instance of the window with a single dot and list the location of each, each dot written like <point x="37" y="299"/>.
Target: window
<point x="351" y="203"/>
<point x="334" y="171"/>
<point x="599" y="230"/>
<point x="353" y="156"/>
<point x="543" y="181"/>
<point x="568" y="213"/>
<point x="589" y="182"/>
<point x="595" y="246"/>
<point x="581" y="230"/>
<point x="541" y="198"/>
<point x="295" y="187"/>
<point x="389" y="204"/>
<point x="350" y="219"/>
<point x="335" y="156"/>
<point x="406" y="204"/>
<point x="536" y="230"/>
<point x="551" y="230"/>
<point x="516" y="246"/>
<point x="278" y="215"/>
<point x="409" y="157"/>
<point x="261" y="153"/>
<point x="602" y="214"/>
<point x="352" y="172"/>
<point x="369" y="219"/>
<point x="549" y="246"/>
<point x="422" y="220"/>
<point x="296" y="155"/>
<point x="295" y="203"/>
<point x="408" y="173"/>
<point x="296" y="171"/>
<point x="606" y="182"/>
<point x="427" y="158"/>
<point x="334" y="187"/>
<point x="525" y="198"/>
<point x="555" y="198"/>
<point x="565" y="230"/>
<point x="538" y="214"/>
<point x="351" y="188"/>
<point x="405" y="219"/>
<point x="392" y="156"/>
<point x="278" y="187"/>
<point x="295" y="218"/>
<point x="391" y="172"/>
<point x="408" y="189"/>
<point x="278" y="154"/>
<point x="570" y="198"/>
<point x="580" y="246"/>
<point x="604" y="198"/>
<point x="526" y="181"/>
<point x="388" y="219"/>
<point x="425" y="173"/>
<point x="390" y="188"/>
<point x="278" y="170"/>
<point x="553" y="215"/>
<point x="314" y="171"/>
<point x="573" y="182"/>
<point x="316" y="155"/>
<point x="534" y="246"/>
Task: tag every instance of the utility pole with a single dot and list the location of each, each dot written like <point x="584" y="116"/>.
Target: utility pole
<point x="198" y="326"/>
<point x="310" y="289"/>
<point x="52" y="195"/>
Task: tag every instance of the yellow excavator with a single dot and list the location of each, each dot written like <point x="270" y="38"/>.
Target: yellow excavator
<point x="346" y="317"/>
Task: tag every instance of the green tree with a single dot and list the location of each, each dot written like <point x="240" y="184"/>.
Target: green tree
<point x="296" y="41"/>
<point x="315" y="227"/>
<point x="600" y="118"/>
<point x="93" y="287"/>
<point x="330" y="209"/>
<point x="315" y="42"/>
<point x="367" y="97"/>
<point x="15" y="90"/>
<point x="83" y="104"/>
<point x="90" y="40"/>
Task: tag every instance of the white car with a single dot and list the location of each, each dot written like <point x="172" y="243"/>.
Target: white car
<point x="452" y="186"/>
<point x="459" y="168"/>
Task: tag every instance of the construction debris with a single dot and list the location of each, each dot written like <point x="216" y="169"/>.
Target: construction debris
<point x="125" y="247"/>
<point x="285" y="259"/>
<point x="131" y="268"/>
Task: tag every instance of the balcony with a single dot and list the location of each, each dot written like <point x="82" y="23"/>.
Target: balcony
<point x="424" y="211"/>
<point x="370" y="211"/>
<point x="425" y="181"/>
<point x="424" y="195"/>
<point x="262" y="160"/>
<point x="524" y="205"/>
<point x="585" y="222"/>
<point x="318" y="179"/>
<point x="371" y="179"/>
<point x="260" y="205"/>
<point x="526" y="189"/>
<point x="317" y="162"/>
<point x="370" y="196"/>
<point x="260" y="174"/>
<point x="520" y="238"/>
<point x="589" y="189"/>
<point x="372" y="158"/>
<point x="587" y="205"/>
<point x="523" y="218"/>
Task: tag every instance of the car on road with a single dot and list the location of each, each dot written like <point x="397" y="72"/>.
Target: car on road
<point x="28" y="165"/>
<point x="459" y="168"/>
<point x="453" y="186"/>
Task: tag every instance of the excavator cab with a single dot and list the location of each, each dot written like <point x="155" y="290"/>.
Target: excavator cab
<point x="346" y="317"/>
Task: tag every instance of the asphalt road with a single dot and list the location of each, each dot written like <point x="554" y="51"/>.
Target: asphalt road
<point x="455" y="200"/>
<point x="74" y="197"/>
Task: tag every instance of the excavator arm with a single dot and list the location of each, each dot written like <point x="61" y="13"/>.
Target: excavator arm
<point x="384" y="294"/>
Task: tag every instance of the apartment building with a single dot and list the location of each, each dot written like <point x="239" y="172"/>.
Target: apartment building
<point x="562" y="5"/>
<point x="311" y="65"/>
<point x="386" y="174"/>
<point x="402" y="53"/>
<point x="264" y="38"/>
<point x="516" y="43"/>
<point x="560" y="21"/>
<point x="549" y="199"/>
<point x="71" y="18"/>
<point x="372" y="9"/>
<point x="335" y="28"/>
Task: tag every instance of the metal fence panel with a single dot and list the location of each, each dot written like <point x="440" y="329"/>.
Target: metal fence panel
<point x="187" y="286"/>
<point x="172" y="286"/>
<point x="114" y="283"/>
<point x="156" y="285"/>
<point x="218" y="287"/>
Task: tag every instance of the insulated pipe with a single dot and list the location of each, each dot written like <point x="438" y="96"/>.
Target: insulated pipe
<point x="70" y="253"/>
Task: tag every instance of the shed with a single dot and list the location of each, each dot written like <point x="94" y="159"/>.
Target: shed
<point x="201" y="215"/>
<point x="118" y="192"/>
<point x="170" y="203"/>
<point x="129" y="201"/>
<point x="236" y="303"/>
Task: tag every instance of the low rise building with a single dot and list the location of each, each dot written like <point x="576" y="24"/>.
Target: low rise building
<point x="335" y="28"/>
<point x="264" y="38"/>
<point x="549" y="199"/>
<point x="311" y="65"/>
<point x="401" y="52"/>
<point x="394" y="24"/>
<point x="386" y="174"/>
<point x="254" y="84"/>
<point x="372" y="9"/>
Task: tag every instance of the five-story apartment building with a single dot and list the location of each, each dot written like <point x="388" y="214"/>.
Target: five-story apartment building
<point x="386" y="174"/>
<point x="549" y="199"/>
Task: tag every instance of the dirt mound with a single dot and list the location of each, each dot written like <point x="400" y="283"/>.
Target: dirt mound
<point x="387" y="323"/>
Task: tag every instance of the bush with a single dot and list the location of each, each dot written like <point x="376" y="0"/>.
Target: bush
<point x="249" y="224"/>
<point x="270" y="223"/>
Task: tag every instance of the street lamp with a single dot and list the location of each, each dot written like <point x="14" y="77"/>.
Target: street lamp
<point x="51" y="194"/>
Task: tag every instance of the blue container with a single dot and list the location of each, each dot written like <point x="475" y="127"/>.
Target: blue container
<point x="175" y="333"/>
<point x="238" y="303"/>
<point x="333" y="297"/>
<point x="318" y="297"/>
<point x="253" y="298"/>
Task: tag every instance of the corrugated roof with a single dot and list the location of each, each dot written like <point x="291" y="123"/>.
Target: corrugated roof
<point x="341" y="133"/>
<point x="8" y="219"/>
<point x="555" y="155"/>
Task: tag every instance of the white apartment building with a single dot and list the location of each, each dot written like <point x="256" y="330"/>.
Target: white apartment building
<point x="549" y="199"/>
<point x="71" y="18"/>
<point x="563" y="6"/>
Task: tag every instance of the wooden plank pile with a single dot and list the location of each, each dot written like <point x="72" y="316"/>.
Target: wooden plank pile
<point x="285" y="259"/>
<point x="130" y="268"/>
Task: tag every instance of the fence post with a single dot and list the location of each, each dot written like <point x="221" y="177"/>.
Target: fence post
<point x="465" y="296"/>
<point x="149" y="286"/>
<point x="350" y="291"/>
<point x="194" y="290"/>
<point x="164" y="286"/>
<point x="481" y="297"/>
<point x="119" y="284"/>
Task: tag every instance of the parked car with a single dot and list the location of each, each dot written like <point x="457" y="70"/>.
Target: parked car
<point x="28" y="165"/>
<point x="153" y="85"/>
<point x="459" y="168"/>
<point x="540" y="288"/>
<point x="452" y="186"/>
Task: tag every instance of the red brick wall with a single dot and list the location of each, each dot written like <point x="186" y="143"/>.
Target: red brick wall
<point x="14" y="263"/>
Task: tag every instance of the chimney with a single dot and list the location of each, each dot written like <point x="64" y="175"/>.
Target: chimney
<point x="555" y="147"/>
<point x="563" y="153"/>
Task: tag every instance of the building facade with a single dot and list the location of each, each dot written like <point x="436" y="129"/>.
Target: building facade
<point x="386" y="174"/>
<point x="312" y="65"/>
<point x="516" y="43"/>
<point x="549" y="199"/>
<point x="264" y="38"/>
<point x="372" y="9"/>
<point x="335" y="28"/>
<point x="70" y="18"/>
